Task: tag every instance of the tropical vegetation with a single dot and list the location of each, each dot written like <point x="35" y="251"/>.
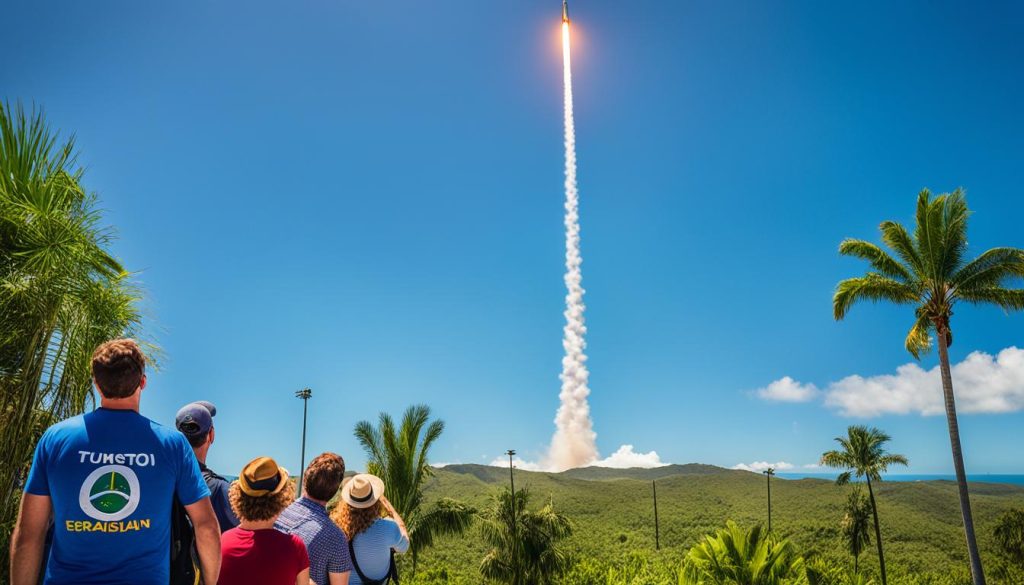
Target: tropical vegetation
<point x="856" y="524"/>
<point x="930" y="272"/>
<point x="524" y="543"/>
<point x="863" y="455"/>
<point x="399" y="456"/>
<point x="734" y="556"/>
<point x="62" y="292"/>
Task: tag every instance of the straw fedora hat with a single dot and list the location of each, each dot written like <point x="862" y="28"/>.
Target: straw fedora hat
<point x="262" y="476"/>
<point x="363" y="490"/>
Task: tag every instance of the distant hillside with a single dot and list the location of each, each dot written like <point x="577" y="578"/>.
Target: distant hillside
<point x="491" y="474"/>
<point x="612" y="511"/>
<point x="648" y="474"/>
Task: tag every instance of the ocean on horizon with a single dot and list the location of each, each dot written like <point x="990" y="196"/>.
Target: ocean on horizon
<point x="1013" y="479"/>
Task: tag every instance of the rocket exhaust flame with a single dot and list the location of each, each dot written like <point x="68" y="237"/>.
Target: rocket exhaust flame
<point x="573" y="444"/>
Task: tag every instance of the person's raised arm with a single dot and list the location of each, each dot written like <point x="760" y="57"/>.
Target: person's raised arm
<point x="398" y="519"/>
<point x="29" y="539"/>
<point x="207" y="529"/>
<point x="303" y="578"/>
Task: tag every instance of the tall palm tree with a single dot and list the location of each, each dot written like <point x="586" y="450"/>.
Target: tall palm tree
<point x="856" y="525"/>
<point x="863" y="455"/>
<point x="524" y="543"/>
<point x="62" y="293"/>
<point x="931" y="273"/>
<point x="399" y="457"/>
<point x="734" y="556"/>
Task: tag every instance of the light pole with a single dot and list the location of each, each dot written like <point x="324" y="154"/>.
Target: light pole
<point x="768" y="473"/>
<point x="305" y="395"/>
<point x="515" y="520"/>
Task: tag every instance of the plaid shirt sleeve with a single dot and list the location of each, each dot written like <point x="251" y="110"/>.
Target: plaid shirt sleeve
<point x="339" y="561"/>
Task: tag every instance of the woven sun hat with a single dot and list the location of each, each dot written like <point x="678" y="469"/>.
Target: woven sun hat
<point x="363" y="490"/>
<point x="261" y="477"/>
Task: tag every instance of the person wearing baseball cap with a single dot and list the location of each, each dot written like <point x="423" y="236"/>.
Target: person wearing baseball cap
<point x="195" y="421"/>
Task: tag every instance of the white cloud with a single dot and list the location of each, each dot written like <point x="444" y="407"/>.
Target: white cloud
<point x="518" y="463"/>
<point x="811" y="466"/>
<point x="626" y="457"/>
<point x="759" y="466"/>
<point x="983" y="383"/>
<point x="787" y="389"/>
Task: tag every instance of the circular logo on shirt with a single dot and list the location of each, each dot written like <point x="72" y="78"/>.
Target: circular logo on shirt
<point x="110" y="493"/>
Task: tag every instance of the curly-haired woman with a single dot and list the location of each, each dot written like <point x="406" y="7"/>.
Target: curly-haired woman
<point x="254" y="552"/>
<point x="372" y="538"/>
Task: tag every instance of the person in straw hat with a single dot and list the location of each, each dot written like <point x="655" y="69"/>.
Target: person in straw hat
<point x="374" y="529"/>
<point x="254" y="552"/>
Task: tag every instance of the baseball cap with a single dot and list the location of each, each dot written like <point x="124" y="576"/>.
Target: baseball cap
<point x="195" y="418"/>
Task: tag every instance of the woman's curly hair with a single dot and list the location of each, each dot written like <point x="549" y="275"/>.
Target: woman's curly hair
<point x="353" y="521"/>
<point x="256" y="509"/>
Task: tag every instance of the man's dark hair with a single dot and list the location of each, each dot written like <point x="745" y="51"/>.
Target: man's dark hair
<point x="118" y="367"/>
<point x="197" y="440"/>
<point x="324" y="475"/>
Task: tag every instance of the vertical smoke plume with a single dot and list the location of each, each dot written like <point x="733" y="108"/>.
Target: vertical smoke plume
<point x="573" y="444"/>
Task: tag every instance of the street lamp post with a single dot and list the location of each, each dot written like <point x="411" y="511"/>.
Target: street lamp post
<point x="305" y="395"/>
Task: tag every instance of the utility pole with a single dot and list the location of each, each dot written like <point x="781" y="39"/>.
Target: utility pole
<point x="657" y="532"/>
<point x="768" y="473"/>
<point x="305" y="395"/>
<point x="515" y="519"/>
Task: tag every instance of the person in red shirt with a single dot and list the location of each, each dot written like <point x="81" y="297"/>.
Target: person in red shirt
<point x="254" y="552"/>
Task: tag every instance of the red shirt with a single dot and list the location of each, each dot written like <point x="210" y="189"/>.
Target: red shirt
<point x="267" y="557"/>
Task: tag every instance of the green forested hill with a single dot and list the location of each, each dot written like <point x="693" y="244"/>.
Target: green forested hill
<point x="614" y="516"/>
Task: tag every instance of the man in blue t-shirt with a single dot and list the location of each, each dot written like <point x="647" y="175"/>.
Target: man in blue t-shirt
<point x="108" y="478"/>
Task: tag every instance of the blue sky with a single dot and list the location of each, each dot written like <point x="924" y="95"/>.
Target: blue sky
<point x="365" y="198"/>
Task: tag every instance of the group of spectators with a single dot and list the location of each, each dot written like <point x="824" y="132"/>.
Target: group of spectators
<point x="114" y="498"/>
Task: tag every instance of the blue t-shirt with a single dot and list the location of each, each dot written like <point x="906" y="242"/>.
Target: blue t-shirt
<point x="373" y="549"/>
<point x="111" y="476"/>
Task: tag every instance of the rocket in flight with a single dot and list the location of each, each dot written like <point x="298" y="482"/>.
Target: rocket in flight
<point x="565" y="10"/>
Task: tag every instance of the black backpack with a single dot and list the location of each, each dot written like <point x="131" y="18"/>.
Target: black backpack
<point x="391" y="577"/>
<point x="184" y="557"/>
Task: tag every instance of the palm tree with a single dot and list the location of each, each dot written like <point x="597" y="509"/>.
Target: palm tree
<point x="863" y="455"/>
<point x="737" y="557"/>
<point x="768" y="475"/>
<point x="399" y="457"/>
<point x="930" y="272"/>
<point x="524" y="543"/>
<point x="61" y="291"/>
<point x="856" y="525"/>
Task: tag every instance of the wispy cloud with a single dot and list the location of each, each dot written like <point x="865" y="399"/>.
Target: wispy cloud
<point x="759" y="466"/>
<point x="983" y="384"/>
<point x="787" y="389"/>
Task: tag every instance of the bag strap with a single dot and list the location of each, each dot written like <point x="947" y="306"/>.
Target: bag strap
<point x="355" y="565"/>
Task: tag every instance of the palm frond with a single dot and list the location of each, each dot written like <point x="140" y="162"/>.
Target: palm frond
<point x="896" y="237"/>
<point x="879" y="259"/>
<point x="1008" y="298"/>
<point x="990" y="269"/>
<point x="872" y="287"/>
<point x="919" y="340"/>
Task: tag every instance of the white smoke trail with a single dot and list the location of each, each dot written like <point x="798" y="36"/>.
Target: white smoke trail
<point x="573" y="444"/>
